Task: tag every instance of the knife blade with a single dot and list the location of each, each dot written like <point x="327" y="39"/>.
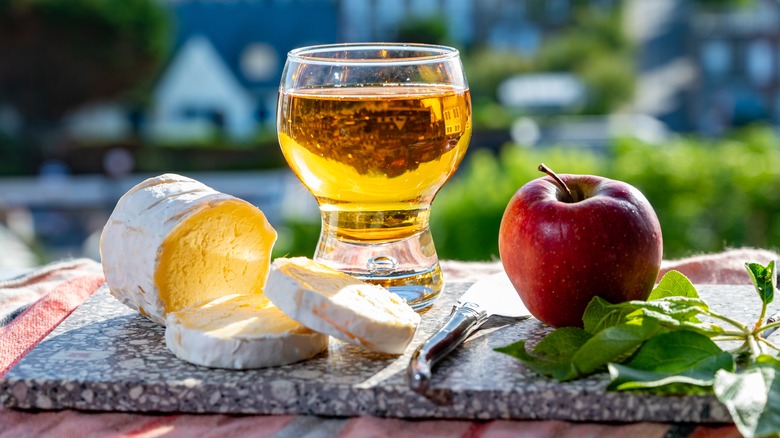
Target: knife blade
<point x="492" y="295"/>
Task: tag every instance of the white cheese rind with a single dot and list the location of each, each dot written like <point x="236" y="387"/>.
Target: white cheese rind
<point x="254" y="345"/>
<point x="135" y="231"/>
<point x="360" y="313"/>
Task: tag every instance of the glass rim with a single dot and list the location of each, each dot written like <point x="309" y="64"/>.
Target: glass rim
<point x="433" y="53"/>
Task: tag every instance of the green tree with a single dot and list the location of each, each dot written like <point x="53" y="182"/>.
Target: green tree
<point x="597" y="50"/>
<point x="428" y="30"/>
<point x="591" y="45"/>
<point x="58" y="55"/>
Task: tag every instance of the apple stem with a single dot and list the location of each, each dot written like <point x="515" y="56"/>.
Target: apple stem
<point x="558" y="180"/>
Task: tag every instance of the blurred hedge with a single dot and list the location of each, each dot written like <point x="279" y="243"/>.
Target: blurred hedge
<point x="708" y="195"/>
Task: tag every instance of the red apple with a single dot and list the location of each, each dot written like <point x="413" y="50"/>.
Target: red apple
<point x="565" y="239"/>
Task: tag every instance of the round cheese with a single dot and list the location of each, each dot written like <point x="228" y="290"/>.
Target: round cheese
<point x="172" y="242"/>
<point x="334" y="303"/>
<point x="240" y="332"/>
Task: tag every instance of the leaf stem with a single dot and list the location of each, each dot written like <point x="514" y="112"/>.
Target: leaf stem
<point x="762" y="328"/>
<point x="734" y="322"/>
<point x="729" y="337"/>
<point x="760" y="322"/>
<point x="739" y="335"/>
<point x="770" y="344"/>
<point x="755" y="347"/>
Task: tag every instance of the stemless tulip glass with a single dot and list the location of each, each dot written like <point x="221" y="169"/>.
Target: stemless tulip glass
<point x="374" y="131"/>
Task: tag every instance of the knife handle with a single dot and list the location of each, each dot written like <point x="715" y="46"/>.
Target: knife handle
<point x="463" y="321"/>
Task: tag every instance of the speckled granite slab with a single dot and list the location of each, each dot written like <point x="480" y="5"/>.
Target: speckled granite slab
<point x="105" y="357"/>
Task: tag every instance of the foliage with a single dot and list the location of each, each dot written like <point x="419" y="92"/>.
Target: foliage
<point x="490" y="115"/>
<point x="593" y="46"/>
<point x="56" y="55"/>
<point x="15" y="159"/>
<point x="704" y="202"/>
<point x="660" y="346"/>
<point x="428" y="30"/>
<point x="723" y="4"/>
<point x="708" y="195"/>
<point x="610" y="82"/>
<point x="596" y="50"/>
<point x="296" y="238"/>
<point x="486" y="68"/>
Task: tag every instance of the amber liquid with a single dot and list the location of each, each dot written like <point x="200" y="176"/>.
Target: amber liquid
<point x="376" y="155"/>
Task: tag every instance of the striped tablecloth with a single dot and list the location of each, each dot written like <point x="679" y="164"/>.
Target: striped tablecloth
<point x="33" y="304"/>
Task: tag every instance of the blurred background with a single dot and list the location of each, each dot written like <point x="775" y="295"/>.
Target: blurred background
<point x="680" y="98"/>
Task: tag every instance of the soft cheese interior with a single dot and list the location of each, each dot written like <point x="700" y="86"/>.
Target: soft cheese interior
<point x="215" y="250"/>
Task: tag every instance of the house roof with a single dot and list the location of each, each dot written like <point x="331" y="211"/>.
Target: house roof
<point x="232" y="26"/>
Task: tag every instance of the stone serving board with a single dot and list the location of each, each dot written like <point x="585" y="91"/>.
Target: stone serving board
<point x="106" y="357"/>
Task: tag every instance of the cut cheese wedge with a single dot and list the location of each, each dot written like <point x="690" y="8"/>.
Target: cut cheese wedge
<point x="334" y="303"/>
<point x="172" y="242"/>
<point x="240" y="332"/>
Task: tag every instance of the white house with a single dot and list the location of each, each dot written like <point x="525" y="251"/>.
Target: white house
<point x="197" y="94"/>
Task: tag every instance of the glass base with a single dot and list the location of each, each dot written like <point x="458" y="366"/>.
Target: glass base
<point x="408" y="267"/>
<point x="419" y="289"/>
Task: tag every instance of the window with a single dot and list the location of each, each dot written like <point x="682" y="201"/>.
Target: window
<point x="716" y="58"/>
<point x="759" y="62"/>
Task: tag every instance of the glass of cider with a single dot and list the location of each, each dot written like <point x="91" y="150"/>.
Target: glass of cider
<point x="374" y="130"/>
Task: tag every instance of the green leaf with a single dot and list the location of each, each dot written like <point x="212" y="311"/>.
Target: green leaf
<point x="677" y="307"/>
<point x="601" y="314"/>
<point x="680" y="362"/>
<point x="676" y="313"/>
<point x="671" y="311"/>
<point x="673" y="284"/>
<point x="764" y="279"/>
<point x="766" y="359"/>
<point x="752" y="397"/>
<point x="612" y="343"/>
<point x="631" y="379"/>
<point x="552" y="356"/>
<point x="677" y="352"/>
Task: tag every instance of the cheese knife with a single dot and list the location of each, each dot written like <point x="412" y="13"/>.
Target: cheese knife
<point x="492" y="295"/>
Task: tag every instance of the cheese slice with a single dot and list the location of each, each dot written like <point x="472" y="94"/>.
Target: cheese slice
<point x="240" y="332"/>
<point x="334" y="303"/>
<point x="172" y="242"/>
